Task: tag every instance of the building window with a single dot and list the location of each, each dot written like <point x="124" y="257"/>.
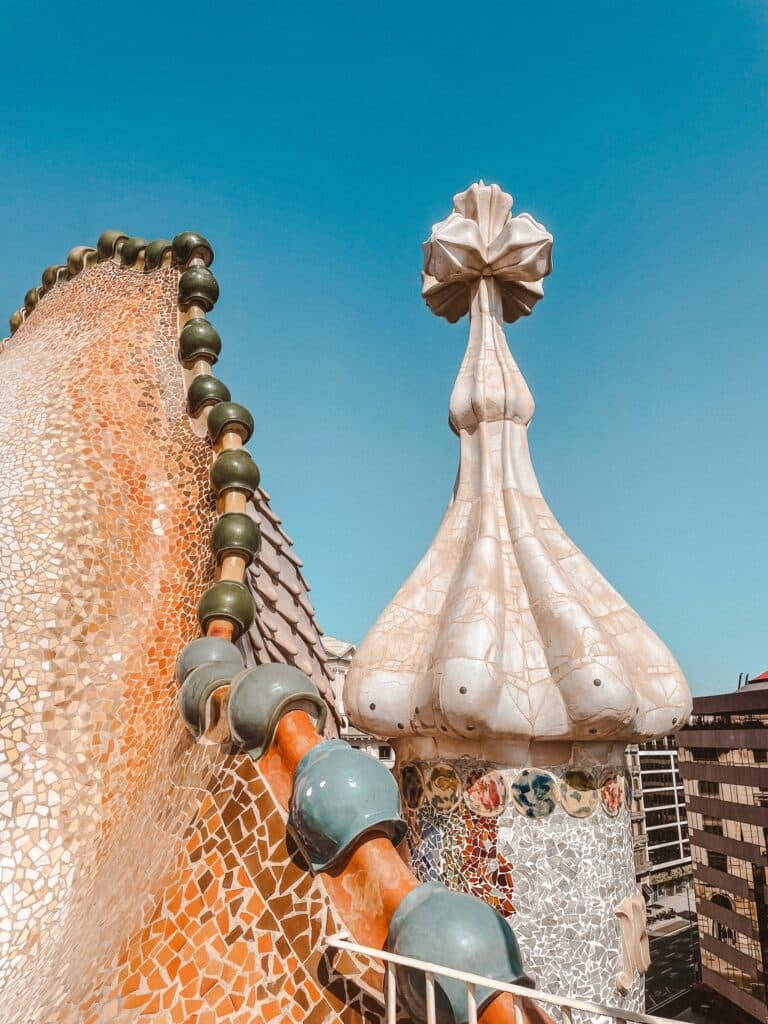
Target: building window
<point x="761" y="797"/>
<point x="713" y="825"/>
<point x="668" y="816"/>
<point x="663" y="836"/>
<point x="722" y="932"/>
<point x="668" y="854"/>
<point x="760" y="756"/>
<point x="704" y="753"/>
<point x="718" y="861"/>
<point x="707" y="788"/>
<point x="385" y="752"/>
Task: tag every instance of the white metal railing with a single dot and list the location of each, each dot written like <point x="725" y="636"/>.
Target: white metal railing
<point x="563" y="1004"/>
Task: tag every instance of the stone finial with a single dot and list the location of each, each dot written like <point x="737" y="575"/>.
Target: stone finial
<point x="479" y="239"/>
<point x="505" y="636"/>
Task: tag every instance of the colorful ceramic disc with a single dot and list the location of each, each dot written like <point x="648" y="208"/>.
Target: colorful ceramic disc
<point x="534" y="793"/>
<point x="612" y="793"/>
<point x="580" y="792"/>
<point x="487" y="796"/>
<point x="443" y="788"/>
<point x="412" y="786"/>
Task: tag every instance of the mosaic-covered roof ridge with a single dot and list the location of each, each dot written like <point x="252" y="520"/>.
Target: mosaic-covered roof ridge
<point x="128" y="251"/>
<point x="290" y="629"/>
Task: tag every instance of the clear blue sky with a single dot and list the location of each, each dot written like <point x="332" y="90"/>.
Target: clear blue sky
<point x="315" y="145"/>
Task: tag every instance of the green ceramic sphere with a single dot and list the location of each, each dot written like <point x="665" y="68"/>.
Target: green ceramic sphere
<point x="457" y="931"/>
<point x="229" y="416"/>
<point x="53" y="274"/>
<point x="198" y="287"/>
<point x="228" y="600"/>
<point x="199" y="339"/>
<point x="155" y="253"/>
<point x="234" y="470"/>
<point x="339" y="796"/>
<point x="236" y="534"/>
<point x="131" y="250"/>
<point x="195" y="691"/>
<point x="259" y="697"/>
<point x="205" y="650"/>
<point x="206" y="390"/>
<point x="107" y="243"/>
<point x="79" y="257"/>
<point x="188" y="245"/>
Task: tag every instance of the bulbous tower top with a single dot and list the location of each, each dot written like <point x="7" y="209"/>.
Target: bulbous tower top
<point x="505" y="638"/>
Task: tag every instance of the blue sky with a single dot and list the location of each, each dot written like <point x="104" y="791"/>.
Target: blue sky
<point x="316" y="145"/>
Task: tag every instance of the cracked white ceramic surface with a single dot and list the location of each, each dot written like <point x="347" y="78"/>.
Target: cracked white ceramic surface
<point x="505" y="640"/>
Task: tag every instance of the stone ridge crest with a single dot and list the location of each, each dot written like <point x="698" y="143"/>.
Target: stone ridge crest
<point x="127" y="251"/>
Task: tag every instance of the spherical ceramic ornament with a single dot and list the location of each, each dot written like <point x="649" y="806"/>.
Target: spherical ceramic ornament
<point x="208" y="649"/>
<point x="259" y="697"/>
<point x="487" y="796"/>
<point x="443" y="788"/>
<point x="460" y="932"/>
<point x="580" y="793"/>
<point x="412" y="786"/>
<point x="534" y="793"/>
<point x="340" y="795"/>
<point x="612" y="793"/>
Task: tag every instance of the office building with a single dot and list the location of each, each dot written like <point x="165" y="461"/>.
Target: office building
<point x="724" y="766"/>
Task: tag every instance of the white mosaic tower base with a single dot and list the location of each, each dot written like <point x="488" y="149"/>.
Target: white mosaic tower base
<point x="558" y="879"/>
<point x="569" y="876"/>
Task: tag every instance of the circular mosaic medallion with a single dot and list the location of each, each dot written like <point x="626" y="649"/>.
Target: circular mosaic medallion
<point x="487" y="796"/>
<point x="443" y="788"/>
<point x="412" y="786"/>
<point x="612" y="793"/>
<point x="580" y="792"/>
<point x="534" y="793"/>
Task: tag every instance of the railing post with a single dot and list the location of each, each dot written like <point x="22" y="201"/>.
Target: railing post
<point x="391" y="997"/>
<point x="519" y="1019"/>
<point x="430" y="982"/>
<point x="471" y="1004"/>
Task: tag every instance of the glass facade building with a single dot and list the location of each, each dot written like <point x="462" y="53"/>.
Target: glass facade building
<point x="724" y="766"/>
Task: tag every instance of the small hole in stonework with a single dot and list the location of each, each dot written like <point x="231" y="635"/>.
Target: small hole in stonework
<point x="597" y="682"/>
<point x="470" y="728"/>
<point x="372" y="707"/>
<point x="462" y="689"/>
<point x="444" y="728"/>
<point x="637" y="710"/>
<point x="593" y="731"/>
<point x="674" y="721"/>
<point x="416" y="711"/>
<point x="400" y="725"/>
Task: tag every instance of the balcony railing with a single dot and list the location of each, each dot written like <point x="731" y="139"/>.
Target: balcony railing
<point x="563" y="1006"/>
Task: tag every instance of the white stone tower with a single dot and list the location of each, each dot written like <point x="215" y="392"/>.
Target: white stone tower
<point x="507" y="673"/>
